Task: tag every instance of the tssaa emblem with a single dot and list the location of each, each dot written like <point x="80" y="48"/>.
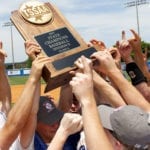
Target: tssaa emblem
<point x="36" y="12"/>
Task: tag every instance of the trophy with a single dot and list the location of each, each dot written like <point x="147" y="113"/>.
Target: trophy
<point x="44" y="24"/>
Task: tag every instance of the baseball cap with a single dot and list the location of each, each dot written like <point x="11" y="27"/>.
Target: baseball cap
<point x="129" y="123"/>
<point x="48" y="113"/>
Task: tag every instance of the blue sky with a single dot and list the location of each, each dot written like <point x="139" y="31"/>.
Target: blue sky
<point x="99" y="19"/>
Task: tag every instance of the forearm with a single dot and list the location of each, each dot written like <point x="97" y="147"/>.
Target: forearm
<point x="135" y="73"/>
<point x="5" y="91"/>
<point x="93" y="129"/>
<point x="144" y="89"/>
<point x="20" y="111"/>
<point x="23" y="106"/>
<point x="142" y="64"/>
<point x="65" y="98"/>
<point x="139" y="59"/>
<point x="129" y="92"/>
<point x="138" y="79"/>
<point x="128" y="59"/>
<point x="108" y="92"/>
<point x="58" y="141"/>
<point x="28" y="130"/>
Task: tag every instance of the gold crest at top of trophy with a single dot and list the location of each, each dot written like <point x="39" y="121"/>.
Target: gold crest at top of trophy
<point x="35" y="12"/>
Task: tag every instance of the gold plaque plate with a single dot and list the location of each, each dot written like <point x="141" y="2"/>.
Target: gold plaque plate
<point x="35" y="12"/>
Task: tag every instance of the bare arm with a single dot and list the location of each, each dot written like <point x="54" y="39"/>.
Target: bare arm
<point x="28" y="131"/>
<point x="94" y="132"/>
<point x="22" y="109"/>
<point x="128" y="92"/>
<point x="107" y="91"/>
<point x="139" y="58"/>
<point x="125" y="49"/>
<point x="65" y="98"/>
<point x="5" y="92"/>
<point x="70" y="124"/>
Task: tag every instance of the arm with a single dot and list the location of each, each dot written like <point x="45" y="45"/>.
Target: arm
<point x="65" y="98"/>
<point x="107" y="91"/>
<point x="116" y="56"/>
<point x="138" y="80"/>
<point x="27" y="133"/>
<point x="94" y="132"/>
<point x="100" y="46"/>
<point x="32" y="49"/>
<point x="5" y="92"/>
<point x="139" y="58"/>
<point x="144" y="89"/>
<point x="128" y="92"/>
<point x="22" y="109"/>
<point x="70" y="124"/>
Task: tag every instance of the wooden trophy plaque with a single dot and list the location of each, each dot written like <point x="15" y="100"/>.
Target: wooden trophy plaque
<point x="44" y="24"/>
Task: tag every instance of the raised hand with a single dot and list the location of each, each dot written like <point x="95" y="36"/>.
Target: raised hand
<point x="105" y="61"/>
<point x="32" y="49"/>
<point x="71" y="123"/>
<point x="135" y="41"/>
<point x="82" y="82"/>
<point x="139" y="58"/>
<point x="124" y="48"/>
<point x="99" y="45"/>
<point x="116" y="55"/>
<point x="37" y="66"/>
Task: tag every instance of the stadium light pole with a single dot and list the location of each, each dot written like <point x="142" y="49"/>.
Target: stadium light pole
<point x="135" y="4"/>
<point x="10" y="24"/>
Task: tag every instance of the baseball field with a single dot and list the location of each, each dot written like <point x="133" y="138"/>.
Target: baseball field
<point x="17" y="84"/>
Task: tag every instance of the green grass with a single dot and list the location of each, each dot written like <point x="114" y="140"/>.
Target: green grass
<point x="18" y="80"/>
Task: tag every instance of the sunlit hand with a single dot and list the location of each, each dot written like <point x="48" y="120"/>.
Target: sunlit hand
<point x="37" y="66"/>
<point x="124" y="48"/>
<point x="32" y="49"/>
<point x="106" y="62"/>
<point x="70" y="124"/>
<point x="116" y="55"/>
<point x="99" y="45"/>
<point x="82" y="82"/>
<point x="135" y="41"/>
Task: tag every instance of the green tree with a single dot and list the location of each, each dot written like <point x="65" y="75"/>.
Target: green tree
<point x="146" y="47"/>
<point x="29" y="63"/>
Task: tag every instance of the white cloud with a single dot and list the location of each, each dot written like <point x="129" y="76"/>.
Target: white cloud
<point x="99" y="19"/>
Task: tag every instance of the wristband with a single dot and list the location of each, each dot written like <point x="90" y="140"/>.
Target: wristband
<point x="135" y="73"/>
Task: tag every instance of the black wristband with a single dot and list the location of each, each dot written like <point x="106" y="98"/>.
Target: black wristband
<point x="135" y="73"/>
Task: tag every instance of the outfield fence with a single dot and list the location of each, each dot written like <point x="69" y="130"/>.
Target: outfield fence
<point x="18" y="72"/>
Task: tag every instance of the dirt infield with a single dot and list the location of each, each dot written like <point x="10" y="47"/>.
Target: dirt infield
<point x="17" y="89"/>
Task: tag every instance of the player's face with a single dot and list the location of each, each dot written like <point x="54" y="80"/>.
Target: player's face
<point x="47" y="132"/>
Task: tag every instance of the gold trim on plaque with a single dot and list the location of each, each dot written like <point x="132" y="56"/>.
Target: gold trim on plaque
<point x="35" y="12"/>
